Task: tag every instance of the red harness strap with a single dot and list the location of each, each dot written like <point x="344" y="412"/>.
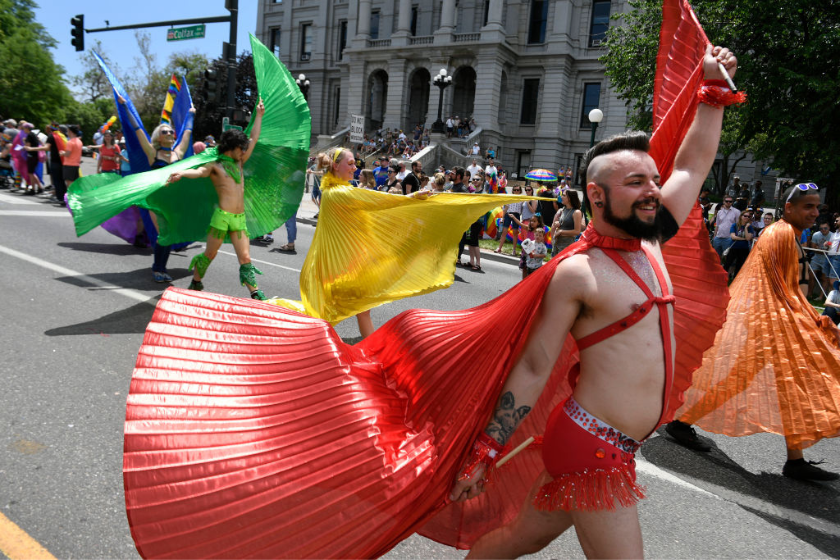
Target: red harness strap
<point x="623" y="324"/>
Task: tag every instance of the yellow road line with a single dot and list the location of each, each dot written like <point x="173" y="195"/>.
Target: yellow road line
<point x="17" y="545"/>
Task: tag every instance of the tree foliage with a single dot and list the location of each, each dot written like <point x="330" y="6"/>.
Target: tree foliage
<point x="787" y="52"/>
<point x="31" y="83"/>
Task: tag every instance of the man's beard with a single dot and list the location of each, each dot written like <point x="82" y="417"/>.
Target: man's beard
<point x="633" y="226"/>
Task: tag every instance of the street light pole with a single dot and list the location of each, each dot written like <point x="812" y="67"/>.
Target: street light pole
<point x="303" y="84"/>
<point x="442" y="81"/>
<point x="595" y="116"/>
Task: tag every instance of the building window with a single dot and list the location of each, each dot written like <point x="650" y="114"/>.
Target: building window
<point x="591" y="98"/>
<point x="600" y="22"/>
<point x="342" y="38"/>
<point x="305" y="41"/>
<point x="275" y="41"/>
<point x="530" y="97"/>
<point x="414" y="10"/>
<point x="486" y="12"/>
<point x="374" y="25"/>
<point x="539" y="18"/>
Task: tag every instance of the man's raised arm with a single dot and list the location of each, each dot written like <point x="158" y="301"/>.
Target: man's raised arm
<point x="255" y="130"/>
<point x="699" y="148"/>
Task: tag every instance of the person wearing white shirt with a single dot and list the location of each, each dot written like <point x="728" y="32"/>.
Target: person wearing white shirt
<point x="475" y="149"/>
<point x="474" y="168"/>
<point x="402" y="172"/>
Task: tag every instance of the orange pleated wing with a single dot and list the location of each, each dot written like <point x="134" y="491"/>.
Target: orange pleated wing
<point x="775" y="366"/>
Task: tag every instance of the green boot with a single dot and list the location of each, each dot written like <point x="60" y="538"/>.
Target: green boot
<point x="247" y="274"/>
<point x="196" y="285"/>
<point x="258" y="294"/>
<point x="200" y="263"/>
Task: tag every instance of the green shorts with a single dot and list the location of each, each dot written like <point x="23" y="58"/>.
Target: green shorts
<point x="223" y="223"/>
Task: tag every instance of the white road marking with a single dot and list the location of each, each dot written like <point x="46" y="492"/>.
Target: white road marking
<point x="743" y="500"/>
<point x="263" y="262"/>
<point x="16" y="199"/>
<point x="40" y="213"/>
<point x="132" y="294"/>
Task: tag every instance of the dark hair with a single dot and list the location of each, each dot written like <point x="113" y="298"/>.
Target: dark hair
<point x="793" y="193"/>
<point x="574" y="199"/>
<point x="232" y="139"/>
<point x="74" y="128"/>
<point x="459" y="172"/>
<point x="635" y="141"/>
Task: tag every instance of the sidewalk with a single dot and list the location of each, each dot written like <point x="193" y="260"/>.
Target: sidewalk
<point x="308" y="209"/>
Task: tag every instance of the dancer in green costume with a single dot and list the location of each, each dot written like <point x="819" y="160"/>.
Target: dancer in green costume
<point x="273" y="175"/>
<point x="228" y="219"/>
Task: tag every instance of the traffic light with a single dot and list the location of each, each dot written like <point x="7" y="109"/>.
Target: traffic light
<point x="211" y="86"/>
<point x="78" y="32"/>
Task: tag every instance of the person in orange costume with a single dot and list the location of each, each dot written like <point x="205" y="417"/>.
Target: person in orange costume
<point x="775" y="364"/>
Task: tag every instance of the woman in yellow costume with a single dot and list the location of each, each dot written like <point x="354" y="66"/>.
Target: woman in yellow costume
<point x="775" y="364"/>
<point x="371" y="248"/>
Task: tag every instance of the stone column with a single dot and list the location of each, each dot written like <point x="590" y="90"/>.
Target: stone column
<point x="487" y="90"/>
<point x="401" y="36"/>
<point x="363" y="30"/>
<point x="494" y="15"/>
<point x="557" y="121"/>
<point x="447" y="23"/>
<point x="395" y="106"/>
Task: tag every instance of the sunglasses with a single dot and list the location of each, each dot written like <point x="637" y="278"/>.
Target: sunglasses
<point x="517" y="190"/>
<point x="802" y="187"/>
<point x="727" y="202"/>
<point x="167" y="132"/>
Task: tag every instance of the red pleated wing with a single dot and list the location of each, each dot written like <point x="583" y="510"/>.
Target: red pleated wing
<point x="698" y="279"/>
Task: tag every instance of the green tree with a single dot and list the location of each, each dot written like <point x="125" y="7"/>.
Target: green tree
<point x="787" y="51"/>
<point x="92" y="84"/>
<point x="31" y="83"/>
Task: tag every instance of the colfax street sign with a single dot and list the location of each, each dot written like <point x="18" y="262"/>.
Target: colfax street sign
<point x="181" y="33"/>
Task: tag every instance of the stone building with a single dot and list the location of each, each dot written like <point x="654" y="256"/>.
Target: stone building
<point x="527" y="71"/>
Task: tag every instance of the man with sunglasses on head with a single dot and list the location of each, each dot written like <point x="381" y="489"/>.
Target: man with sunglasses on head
<point x="725" y="216"/>
<point x="775" y="364"/>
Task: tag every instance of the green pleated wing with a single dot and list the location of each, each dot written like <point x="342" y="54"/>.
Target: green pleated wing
<point x="274" y="174"/>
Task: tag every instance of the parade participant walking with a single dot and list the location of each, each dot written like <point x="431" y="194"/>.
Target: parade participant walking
<point x="161" y="151"/>
<point x="590" y="481"/>
<point x="228" y="221"/>
<point x="775" y="364"/>
<point x="383" y="424"/>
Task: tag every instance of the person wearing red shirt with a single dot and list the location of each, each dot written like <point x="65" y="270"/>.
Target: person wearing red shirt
<point x="72" y="155"/>
<point x="109" y="155"/>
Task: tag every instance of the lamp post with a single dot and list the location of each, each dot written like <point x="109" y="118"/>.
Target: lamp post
<point x="303" y="84"/>
<point x="595" y="116"/>
<point x="442" y="81"/>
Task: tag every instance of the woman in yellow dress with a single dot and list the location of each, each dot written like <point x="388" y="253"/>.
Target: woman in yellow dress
<point x="371" y="248"/>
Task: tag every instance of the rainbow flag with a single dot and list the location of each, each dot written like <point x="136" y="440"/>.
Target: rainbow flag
<point x="493" y="182"/>
<point x="522" y="235"/>
<point x="171" y="94"/>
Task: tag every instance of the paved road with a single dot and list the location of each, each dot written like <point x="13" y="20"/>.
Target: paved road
<point x="74" y="311"/>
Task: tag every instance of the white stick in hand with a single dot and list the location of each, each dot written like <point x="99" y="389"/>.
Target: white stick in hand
<point x="727" y="78"/>
<point x="519" y="448"/>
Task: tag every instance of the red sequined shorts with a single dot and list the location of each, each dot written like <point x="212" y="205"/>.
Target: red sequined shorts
<point x="592" y="463"/>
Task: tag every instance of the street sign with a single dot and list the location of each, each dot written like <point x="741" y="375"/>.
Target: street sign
<point x="357" y="129"/>
<point x="189" y="32"/>
<point x="227" y="126"/>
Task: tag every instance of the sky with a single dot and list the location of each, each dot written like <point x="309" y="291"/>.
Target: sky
<point x="121" y="46"/>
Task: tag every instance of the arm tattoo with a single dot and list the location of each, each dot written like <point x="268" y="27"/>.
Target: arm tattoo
<point x="506" y="418"/>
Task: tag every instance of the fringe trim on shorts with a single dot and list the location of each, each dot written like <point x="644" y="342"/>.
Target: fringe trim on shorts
<point x="590" y="490"/>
